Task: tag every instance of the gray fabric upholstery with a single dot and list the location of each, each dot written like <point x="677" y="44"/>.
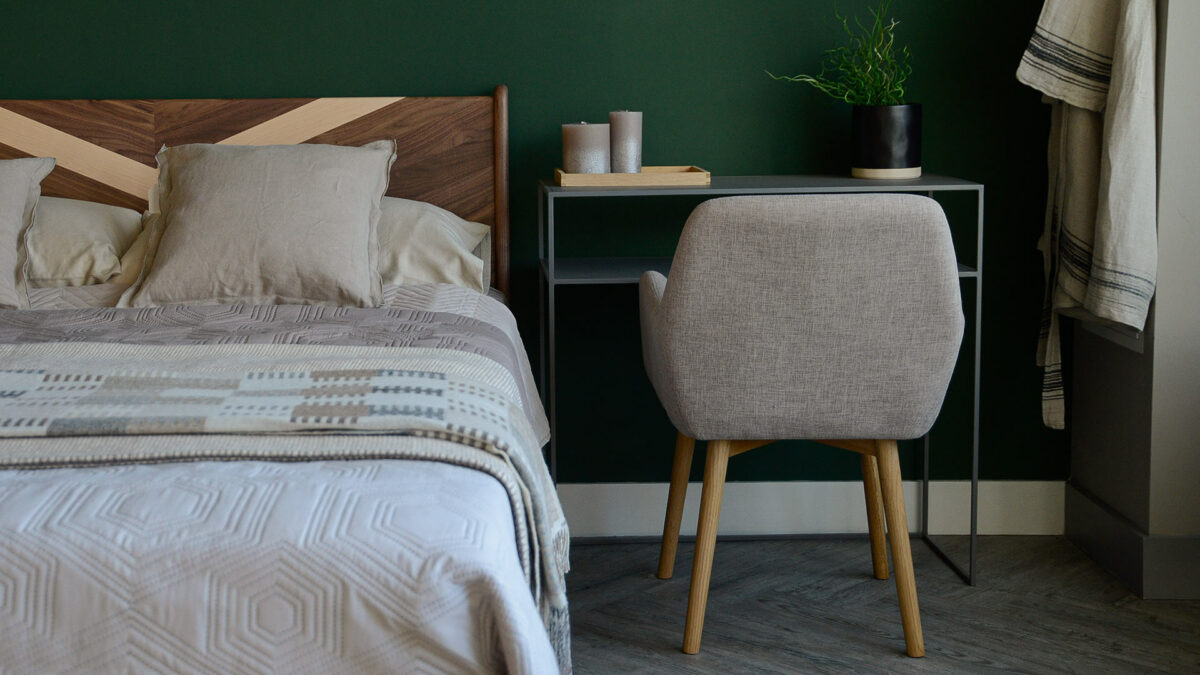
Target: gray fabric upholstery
<point x="808" y="316"/>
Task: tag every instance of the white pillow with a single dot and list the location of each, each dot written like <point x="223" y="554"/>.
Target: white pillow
<point x="20" y="186"/>
<point x="76" y="243"/>
<point x="420" y="243"/>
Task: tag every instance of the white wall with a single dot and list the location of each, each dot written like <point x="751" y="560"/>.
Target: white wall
<point x="813" y="507"/>
<point x="1175" y="423"/>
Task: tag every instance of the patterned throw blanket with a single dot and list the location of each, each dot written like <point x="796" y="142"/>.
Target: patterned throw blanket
<point x="75" y="401"/>
<point x="393" y="326"/>
<point x="80" y="398"/>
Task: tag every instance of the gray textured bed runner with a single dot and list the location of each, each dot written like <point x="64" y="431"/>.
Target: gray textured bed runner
<point x="269" y="324"/>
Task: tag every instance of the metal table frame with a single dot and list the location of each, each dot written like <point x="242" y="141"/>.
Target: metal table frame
<point x="613" y="270"/>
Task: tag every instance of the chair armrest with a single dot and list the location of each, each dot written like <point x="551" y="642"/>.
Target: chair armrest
<point x="651" y="289"/>
<point x="650" y="293"/>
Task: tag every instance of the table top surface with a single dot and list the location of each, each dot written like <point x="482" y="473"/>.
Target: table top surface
<point x="774" y="184"/>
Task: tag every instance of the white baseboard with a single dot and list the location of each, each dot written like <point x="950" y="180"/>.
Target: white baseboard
<point x="813" y="507"/>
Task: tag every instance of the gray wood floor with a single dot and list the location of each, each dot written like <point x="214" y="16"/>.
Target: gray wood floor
<point x="811" y="605"/>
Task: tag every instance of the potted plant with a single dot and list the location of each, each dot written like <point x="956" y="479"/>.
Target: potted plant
<point x="869" y="72"/>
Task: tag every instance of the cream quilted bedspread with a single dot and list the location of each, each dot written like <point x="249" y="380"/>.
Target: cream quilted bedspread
<point x="334" y="551"/>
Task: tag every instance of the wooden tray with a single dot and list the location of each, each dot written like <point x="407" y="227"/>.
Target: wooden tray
<point x="651" y="176"/>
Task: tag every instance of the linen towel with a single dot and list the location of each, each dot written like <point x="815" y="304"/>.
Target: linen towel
<point x="1094" y="61"/>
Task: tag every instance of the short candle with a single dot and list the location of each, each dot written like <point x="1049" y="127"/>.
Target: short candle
<point x="585" y="148"/>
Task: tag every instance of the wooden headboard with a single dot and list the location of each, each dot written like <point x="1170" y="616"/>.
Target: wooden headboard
<point x="451" y="151"/>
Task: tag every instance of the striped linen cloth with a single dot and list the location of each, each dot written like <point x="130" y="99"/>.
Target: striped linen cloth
<point x="1094" y="62"/>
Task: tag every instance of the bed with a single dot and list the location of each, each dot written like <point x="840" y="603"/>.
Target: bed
<point x="242" y="487"/>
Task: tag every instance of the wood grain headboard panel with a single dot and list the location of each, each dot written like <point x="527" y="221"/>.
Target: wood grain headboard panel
<point x="451" y="151"/>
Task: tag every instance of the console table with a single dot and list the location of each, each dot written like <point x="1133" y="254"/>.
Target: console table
<point x="557" y="271"/>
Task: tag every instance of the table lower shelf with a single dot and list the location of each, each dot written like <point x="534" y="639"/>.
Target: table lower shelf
<point x="604" y="270"/>
<point x="628" y="270"/>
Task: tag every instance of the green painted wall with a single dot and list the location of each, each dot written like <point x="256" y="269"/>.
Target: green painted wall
<point x="695" y="68"/>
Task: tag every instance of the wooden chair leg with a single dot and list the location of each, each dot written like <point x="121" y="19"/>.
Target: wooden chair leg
<point x="897" y="521"/>
<point x="680" y="469"/>
<point x="706" y="541"/>
<point x="870" y="472"/>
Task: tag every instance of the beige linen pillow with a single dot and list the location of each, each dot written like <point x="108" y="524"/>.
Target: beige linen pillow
<point x="420" y="243"/>
<point x="133" y="259"/>
<point x="20" y="186"/>
<point x="274" y="224"/>
<point x="74" y="243"/>
<point x="483" y="251"/>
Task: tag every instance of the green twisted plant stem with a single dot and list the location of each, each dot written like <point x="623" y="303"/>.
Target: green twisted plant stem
<point x="869" y="69"/>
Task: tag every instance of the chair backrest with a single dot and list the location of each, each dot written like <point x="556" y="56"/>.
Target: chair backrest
<point x="811" y="316"/>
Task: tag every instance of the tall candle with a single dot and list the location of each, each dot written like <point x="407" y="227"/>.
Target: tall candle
<point x="585" y="148"/>
<point x="626" y="141"/>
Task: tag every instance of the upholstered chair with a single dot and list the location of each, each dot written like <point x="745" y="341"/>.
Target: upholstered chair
<point x="834" y="318"/>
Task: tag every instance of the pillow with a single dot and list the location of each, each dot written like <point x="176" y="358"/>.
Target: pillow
<point x="483" y="251"/>
<point x="274" y="224"/>
<point x="20" y="186"/>
<point x="75" y="243"/>
<point x="420" y="243"/>
<point x="105" y="294"/>
<point x="134" y="258"/>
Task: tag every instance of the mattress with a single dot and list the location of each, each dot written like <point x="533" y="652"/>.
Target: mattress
<point x="409" y="548"/>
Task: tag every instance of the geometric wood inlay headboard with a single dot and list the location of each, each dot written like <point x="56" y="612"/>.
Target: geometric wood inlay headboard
<point x="452" y="151"/>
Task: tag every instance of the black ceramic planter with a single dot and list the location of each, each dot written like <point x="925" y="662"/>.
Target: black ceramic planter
<point x="886" y="140"/>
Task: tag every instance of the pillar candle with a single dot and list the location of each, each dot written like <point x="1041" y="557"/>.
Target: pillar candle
<point x="585" y="148"/>
<point x="626" y="141"/>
